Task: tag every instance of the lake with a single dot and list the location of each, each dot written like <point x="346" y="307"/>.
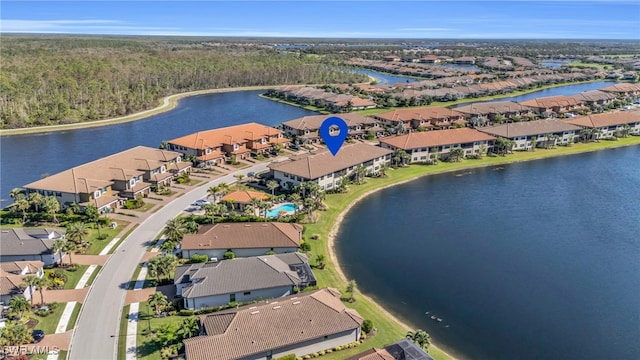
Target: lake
<point x="535" y="260"/>
<point x="25" y="158"/>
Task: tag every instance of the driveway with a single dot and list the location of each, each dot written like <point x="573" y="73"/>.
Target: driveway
<point x="96" y="332"/>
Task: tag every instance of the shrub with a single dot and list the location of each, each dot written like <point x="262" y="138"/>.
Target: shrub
<point x="315" y="237"/>
<point x="270" y="252"/>
<point x="287" y="357"/>
<point x="186" y="312"/>
<point x="363" y="336"/>
<point x="367" y="326"/>
<point x="102" y="237"/>
<point x="42" y="312"/>
<point x="199" y="258"/>
<point x="72" y="268"/>
<point x="305" y="247"/>
<point x="322" y="352"/>
<point x="229" y="255"/>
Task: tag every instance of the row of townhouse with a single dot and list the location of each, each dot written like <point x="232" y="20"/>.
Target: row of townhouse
<point x="108" y="181"/>
<point x="308" y="127"/>
<point x="216" y="145"/>
<point x="323" y="99"/>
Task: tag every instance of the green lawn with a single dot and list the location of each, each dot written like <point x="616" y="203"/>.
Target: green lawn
<point x="389" y="330"/>
<point x="74" y="316"/>
<point x="590" y="65"/>
<point x="98" y="245"/>
<point x="122" y="334"/>
<point x="62" y="355"/>
<point x="148" y="349"/>
<point x="48" y="323"/>
<point x="74" y="276"/>
<point x="146" y="207"/>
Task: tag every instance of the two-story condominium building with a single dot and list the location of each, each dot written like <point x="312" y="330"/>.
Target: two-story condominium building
<point x="213" y="146"/>
<point x="623" y="90"/>
<point x="308" y="127"/>
<point x="327" y="170"/>
<point x="486" y="112"/>
<point x="425" y="146"/>
<point x="301" y="324"/>
<point x="244" y="239"/>
<point x="435" y="117"/>
<point x="611" y="123"/>
<point x="557" y="104"/>
<point x="542" y="133"/>
<point x="106" y="182"/>
<point x="595" y="98"/>
<point x="241" y="280"/>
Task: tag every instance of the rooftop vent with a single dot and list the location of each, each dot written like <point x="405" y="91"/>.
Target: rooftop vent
<point x="255" y="312"/>
<point x="276" y="307"/>
<point x="296" y="302"/>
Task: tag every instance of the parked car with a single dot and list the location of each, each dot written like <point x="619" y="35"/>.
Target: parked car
<point x="37" y="335"/>
<point x="200" y="202"/>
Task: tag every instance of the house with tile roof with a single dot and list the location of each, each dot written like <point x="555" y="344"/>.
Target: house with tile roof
<point x="242" y="280"/>
<point x="400" y="350"/>
<point x="541" y="133"/>
<point x="610" y="123"/>
<point x="108" y="181"/>
<point x="426" y="146"/>
<point x="244" y="239"/>
<point x="623" y="89"/>
<point x="18" y="244"/>
<point x="326" y="170"/>
<point x="213" y="146"/>
<point x="490" y="111"/>
<point x="242" y="198"/>
<point x="595" y="98"/>
<point x="556" y="104"/>
<point x="308" y="127"/>
<point x="300" y="324"/>
<point x="12" y="275"/>
<point x="434" y="117"/>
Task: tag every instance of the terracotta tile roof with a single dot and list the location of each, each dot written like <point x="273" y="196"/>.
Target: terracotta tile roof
<point x="434" y="112"/>
<point x="594" y="95"/>
<point x="286" y="322"/>
<point x="436" y="138"/>
<point x="606" y="119"/>
<point x="100" y="173"/>
<point x="313" y="166"/>
<point x="212" y="155"/>
<point x="10" y="284"/>
<point x="551" y="101"/>
<point x="215" y="138"/>
<point x="313" y="122"/>
<point x="622" y="88"/>
<point x="244" y="236"/>
<point x="239" y="275"/>
<point x="493" y="107"/>
<point x="527" y="128"/>
<point x="244" y="196"/>
<point x="373" y="354"/>
<point x="17" y="267"/>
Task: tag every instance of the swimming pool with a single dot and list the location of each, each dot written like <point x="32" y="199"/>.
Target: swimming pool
<point x="288" y="208"/>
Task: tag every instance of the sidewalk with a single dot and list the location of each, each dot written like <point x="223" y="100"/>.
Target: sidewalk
<point x="85" y="277"/>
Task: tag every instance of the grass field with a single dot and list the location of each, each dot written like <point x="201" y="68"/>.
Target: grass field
<point x="590" y="65"/>
<point x="74" y="276"/>
<point x="391" y="330"/>
<point x="48" y="323"/>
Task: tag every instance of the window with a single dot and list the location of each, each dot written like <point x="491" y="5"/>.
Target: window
<point x="163" y="169"/>
<point x="207" y="151"/>
<point x="97" y="194"/>
<point x="247" y="293"/>
<point x="132" y="182"/>
<point x="232" y="297"/>
<point x="58" y="194"/>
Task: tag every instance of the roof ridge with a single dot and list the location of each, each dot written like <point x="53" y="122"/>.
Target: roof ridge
<point x="275" y="224"/>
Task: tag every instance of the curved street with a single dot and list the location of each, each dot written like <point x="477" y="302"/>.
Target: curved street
<point x="96" y="334"/>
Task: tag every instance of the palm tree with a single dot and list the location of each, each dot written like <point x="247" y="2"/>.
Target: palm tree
<point x="213" y="192"/>
<point x="158" y="300"/>
<point x="77" y="232"/>
<point x="37" y="200"/>
<point x="320" y="261"/>
<point x="264" y="206"/>
<point x="174" y="230"/>
<point x="93" y="215"/>
<point x="189" y="327"/>
<point x="456" y="154"/>
<point x="168" y="334"/>
<point x="69" y="247"/>
<point x="239" y="177"/>
<point x="309" y="205"/>
<point x="19" y="305"/>
<point x="420" y="337"/>
<point x="223" y="188"/>
<point x="23" y="205"/>
<point x="31" y="281"/>
<point x="272" y="185"/>
<point x="52" y="206"/>
<point x="295" y="199"/>
<point x="39" y="285"/>
<point x="208" y="210"/>
<point x="383" y="169"/>
<point x="57" y="247"/>
<point x="248" y="210"/>
<point x="16" y="193"/>
<point x="360" y="172"/>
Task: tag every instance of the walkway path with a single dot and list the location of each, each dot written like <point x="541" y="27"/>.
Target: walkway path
<point x="65" y="317"/>
<point x="106" y="297"/>
<point x="132" y="331"/>
<point x="111" y="244"/>
<point x="85" y="277"/>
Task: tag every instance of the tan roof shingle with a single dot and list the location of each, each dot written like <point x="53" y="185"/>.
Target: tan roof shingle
<point x="244" y="236"/>
<point x="436" y="138"/>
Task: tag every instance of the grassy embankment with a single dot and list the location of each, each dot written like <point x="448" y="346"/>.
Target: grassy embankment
<point x="598" y="66"/>
<point x="390" y="329"/>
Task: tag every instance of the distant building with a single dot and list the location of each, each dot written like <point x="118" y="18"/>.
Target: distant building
<point x="541" y="132"/>
<point x="11" y="278"/>
<point x="213" y="146"/>
<point x="308" y="127"/>
<point x="300" y="324"/>
<point x="434" y="117"/>
<point x="610" y="123"/>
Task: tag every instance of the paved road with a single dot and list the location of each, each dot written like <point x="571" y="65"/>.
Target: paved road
<point x="96" y="332"/>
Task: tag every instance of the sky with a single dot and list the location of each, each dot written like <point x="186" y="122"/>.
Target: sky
<point x="507" y="19"/>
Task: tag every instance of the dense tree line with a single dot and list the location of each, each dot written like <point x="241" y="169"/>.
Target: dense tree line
<point x="47" y="81"/>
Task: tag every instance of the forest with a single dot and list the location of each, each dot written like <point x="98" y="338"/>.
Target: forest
<point x="67" y="79"/>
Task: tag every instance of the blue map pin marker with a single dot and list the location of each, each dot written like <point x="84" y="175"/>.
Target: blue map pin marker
<point x="334" y="141"/>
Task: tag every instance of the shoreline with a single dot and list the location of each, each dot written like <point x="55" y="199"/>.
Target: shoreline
<point x="166" y="104"/>
<point x="335" y="228"/>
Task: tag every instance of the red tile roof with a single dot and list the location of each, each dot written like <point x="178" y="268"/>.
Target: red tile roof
<point x="436" y="138"/>
<point x="215" y="138"/>
<point x="434" y="112"/>
<point x="606" y="119"/>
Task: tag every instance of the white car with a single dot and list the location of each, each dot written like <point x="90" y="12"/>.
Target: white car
<point x="200" y="202"/>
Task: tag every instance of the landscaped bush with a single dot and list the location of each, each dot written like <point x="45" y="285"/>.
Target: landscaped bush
<point x="270" y="252"/>
<point x="229" y="255"/>
<point x="315" y="237"/>
<point x="102" y="236"/>
<point x="42" y="312"/>
<point x="186" y="312"/>
<point x="367" y="326"/>
<point x="287" y="357"/>
<point x="72" y="268"/>
<point x="199" y="258"/>
<point x="305" y="247"/>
